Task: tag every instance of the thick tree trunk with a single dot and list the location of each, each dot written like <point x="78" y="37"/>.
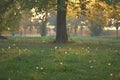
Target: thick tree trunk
<point x="61" y="34"/>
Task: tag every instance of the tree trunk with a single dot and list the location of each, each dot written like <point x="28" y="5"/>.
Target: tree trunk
<point x="117" y="32"/>
<point x="75" y="30"/>
<point x="13" y="33"/>
<point x="0" y="33"/>
<point x="61" y="34"/>
<point x="81" y="30"/>
<point x="44" y="23"/>
<point x="30" y="30"/>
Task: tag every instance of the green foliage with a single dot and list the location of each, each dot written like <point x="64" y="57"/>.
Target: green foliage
<point x="41" y="5"/>
<point x="111" y="2"/>
<point x="97" y="17"/>
<point x="4" y="5"/>
<point x="10" y="15"/>
<point x="114" y="17"/>
<point x="96" y="30"/>
<point x="11" y="10"/>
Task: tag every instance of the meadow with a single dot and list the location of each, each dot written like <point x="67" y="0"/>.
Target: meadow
<point x="36" y="58"/>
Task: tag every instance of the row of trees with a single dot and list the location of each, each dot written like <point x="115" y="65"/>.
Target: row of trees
<point x="97" y="13"/>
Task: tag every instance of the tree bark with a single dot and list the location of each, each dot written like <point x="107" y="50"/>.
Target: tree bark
<point x="61" y="33"/>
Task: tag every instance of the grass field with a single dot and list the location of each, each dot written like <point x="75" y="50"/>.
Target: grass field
<point x="84" y="58"/>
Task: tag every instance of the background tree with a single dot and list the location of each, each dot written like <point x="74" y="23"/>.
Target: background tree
<point x="41" y="7"/>
<point x="114" y="16"/>
<point x="97" y="16"/>
<point x="5" y="7"/>
<point x="12" y="18"/>
<point x="44" y="20"/>
<point x="111" y="2"/>
<point x="25" y="22"/>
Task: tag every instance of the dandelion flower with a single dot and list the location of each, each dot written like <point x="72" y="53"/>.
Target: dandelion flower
<point x="88" y="47"/>
<point x="14" y="44"/>
<point x="37" y="67"/>
<point x="70" y="49"/>
<point x="9" y="47"/>
<point x="55" y="47"/>
<point x="111" y="74"/>
<point x="94" y="60"/>
<point x="91" y="66"/>
<point x="41" y="68"/>
<point x="90" y="61"/>
<point x="66" y="52"/>
<point x="9" y="78"/>
<point x="88" y="51"/>
<point x="3" y="49"/>
<point x="61" y="63"/>
<point x="109" y="64"/>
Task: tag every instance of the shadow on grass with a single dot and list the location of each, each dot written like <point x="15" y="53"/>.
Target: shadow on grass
<point x="3" y="37"/>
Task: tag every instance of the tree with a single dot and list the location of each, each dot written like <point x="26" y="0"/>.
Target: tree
<point x="111" y="2"/>
<point x="44" y="20"/>
<point x="114" y="17"/>
<point x="5" y="6"/>
<point x="12" y="19"/>
<point x="61" y="34"/>
<point x="96" y="15"/>
<point x="9" y="15"/>
<point x="61" y="7"/>
<point x="117" y="25"/>
<point x="41" y="7"/>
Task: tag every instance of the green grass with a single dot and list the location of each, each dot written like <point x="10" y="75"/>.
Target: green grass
<point x="35" y="58"/>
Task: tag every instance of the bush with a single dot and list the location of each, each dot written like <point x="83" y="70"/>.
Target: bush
<point x="96" y="30"/>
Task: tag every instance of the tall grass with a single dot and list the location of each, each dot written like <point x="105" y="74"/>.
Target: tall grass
<point x="35" y="58"/>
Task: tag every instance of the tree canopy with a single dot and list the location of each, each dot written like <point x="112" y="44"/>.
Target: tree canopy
<point x="11" y="11"/>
